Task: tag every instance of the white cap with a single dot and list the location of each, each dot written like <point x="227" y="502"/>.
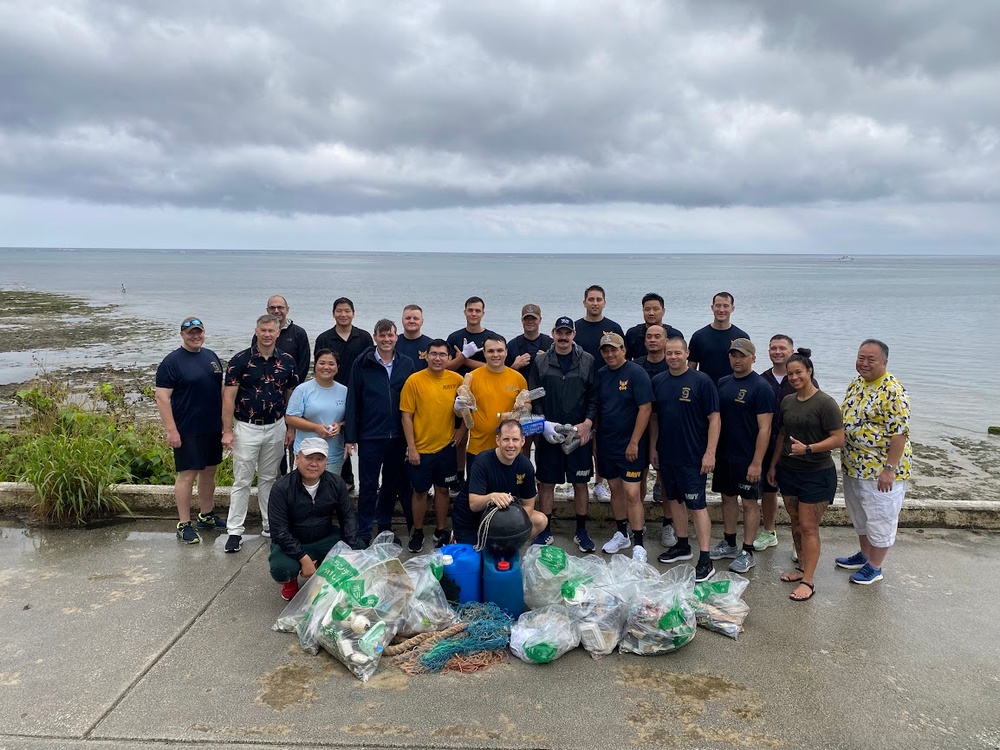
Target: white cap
<point x="313" y="445"/>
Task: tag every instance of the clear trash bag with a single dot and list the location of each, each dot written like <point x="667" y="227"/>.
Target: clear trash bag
<point x="544" y="634"/>
<point x="718" y="603"/>
<point x="659" y="617"/>
<point x="428" y="609"/>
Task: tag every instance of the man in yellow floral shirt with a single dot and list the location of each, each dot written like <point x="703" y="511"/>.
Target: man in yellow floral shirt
<point x="876" y="459"/>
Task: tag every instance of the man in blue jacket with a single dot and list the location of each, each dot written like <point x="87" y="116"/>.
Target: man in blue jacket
<point x="303" y="506"/>
<point x="373" y="425"/>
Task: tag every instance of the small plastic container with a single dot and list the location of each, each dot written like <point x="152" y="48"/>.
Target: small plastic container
<point x="503" y="583"/>
<point x="462" y="577"/>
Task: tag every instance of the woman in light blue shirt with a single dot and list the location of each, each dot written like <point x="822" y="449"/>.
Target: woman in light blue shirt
<point x="317" y="408"/>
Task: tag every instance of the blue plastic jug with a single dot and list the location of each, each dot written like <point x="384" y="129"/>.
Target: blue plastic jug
<point x="462" y="579"/>
<point x="503" y="583"/>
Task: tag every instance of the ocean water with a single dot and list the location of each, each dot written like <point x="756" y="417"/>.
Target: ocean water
<point x="930" y="310"/>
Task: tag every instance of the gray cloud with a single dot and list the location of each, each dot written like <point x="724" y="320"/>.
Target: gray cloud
<point x="352" y="108"/>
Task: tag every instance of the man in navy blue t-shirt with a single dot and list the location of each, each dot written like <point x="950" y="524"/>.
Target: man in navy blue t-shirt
<point x="686" y="407"/>
<point x="746" y="404"/>
<point x="624" y="396"/>
<point x="189" y="399"/>
<point x="710" y="345"/>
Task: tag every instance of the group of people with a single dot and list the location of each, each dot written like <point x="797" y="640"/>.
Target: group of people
<point x="626" y="400"/>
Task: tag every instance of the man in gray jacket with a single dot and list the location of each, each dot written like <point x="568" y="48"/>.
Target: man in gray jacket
<point x="568" y="375"/>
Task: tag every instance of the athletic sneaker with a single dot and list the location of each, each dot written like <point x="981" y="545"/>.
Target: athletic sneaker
<point x="289" y="589"/>
<point x="704" y="572"/>
<point x="723" y="549"/>
<point x="266" y="533"/>
<point x="668" y="537"/>
<point x="854" y="562"/>
<point x="867" y="575"/>
<point x="743" y="562"/>
<point x="441" y="538"/>
<point x="544" y="537"/>
<point x="211" y="521"/>
<point x="416" y="541"/>
<point x="234" y="543"/>
<point x="676" y="553"/>
<point x="765" y="539"/>
<point x="187" y="534"/>
<point x="657" y="493"/>
<point x="583" y="541"/>
<point x="616" y="544"/>
<point x="602" y="494"/>
<point x="639" y="553"/>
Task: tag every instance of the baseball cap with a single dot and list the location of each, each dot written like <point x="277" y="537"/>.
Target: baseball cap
<point x="313" y="445"/>
<point x="192" y="322"/>
<point x="533" y="310"/>
<point x="612" y="339"/>
<point x="743" y="345"/>
<point x="564" y="322"/>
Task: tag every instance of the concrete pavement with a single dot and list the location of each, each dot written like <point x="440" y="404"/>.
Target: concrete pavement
<point x="121" y="637"/>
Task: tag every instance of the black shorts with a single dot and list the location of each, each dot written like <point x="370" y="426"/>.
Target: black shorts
<point x="808" y="486"/>
<point x="766" y="486"/>
<point x="198" y="452"/>
<point x="439" y="469"/>
<point x="684" y="484"/>
<point x="622" y="468"/>
<point x="731" y="479"/>
<point x="552" y="466"/>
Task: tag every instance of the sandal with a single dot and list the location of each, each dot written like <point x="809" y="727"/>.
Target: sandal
<point x="812" y="590"/>
<point x="787" y="577"/>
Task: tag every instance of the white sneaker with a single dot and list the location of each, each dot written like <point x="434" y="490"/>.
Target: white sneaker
<point x="616" y="544"/>
<point x="668" y="537"/>
<point x="602" y="493"/>
<point x="266" y="533"/>
<point x="639" y="553"/>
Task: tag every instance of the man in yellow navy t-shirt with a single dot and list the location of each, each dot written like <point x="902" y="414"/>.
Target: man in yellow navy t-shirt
<point x="875" y="459"/>
<point x="426" y="403"/>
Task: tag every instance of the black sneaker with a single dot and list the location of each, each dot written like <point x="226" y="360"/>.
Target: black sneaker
<point x="187" y="534"/>
<point x="234" y="543"/>
<point x="211" y="522"/>
<point x="704" y="572"/>
<point x="416" y="541"/>
<point x="441" y="538"/>
<point x="676" y="554"/>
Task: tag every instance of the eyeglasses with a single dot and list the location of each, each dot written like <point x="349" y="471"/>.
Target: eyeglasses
<point x="276" y="307"/>
<point x="192" y="324"/>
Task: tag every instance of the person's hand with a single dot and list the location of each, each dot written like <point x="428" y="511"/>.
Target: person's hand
<point x="521" y="361"/>
<point x="173" y="438"/>
<point x="771" y="478"/>
<point x="501" y="499"/>
<point x="470" y="349"/>
<point x="413" y="456"/>
<point x="753" y="473"/>
<point x="461" y="405"/>
<point x="289" y="437"/>
<point x="798" y="447"/>
<point x="348" y="450"/>
<point x="227" y="440"/>
<point x="308" y="566"/>
<point x="459" y="436"/>
<point x="583" y="431"/>
<point x="632" y="451"/>
<point x="707" y="463"/>
<point x="886" y="478"/>
<point x="551" y="434"/>
<point x="654" y="458"/>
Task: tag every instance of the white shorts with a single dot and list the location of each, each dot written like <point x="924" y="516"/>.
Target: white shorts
<point x="874" y="514"/>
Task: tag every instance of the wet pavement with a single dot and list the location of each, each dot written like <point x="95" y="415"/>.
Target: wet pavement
<point x="120" y="637"/>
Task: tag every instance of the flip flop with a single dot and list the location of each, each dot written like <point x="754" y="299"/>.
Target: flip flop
<point x="812" y="590"/>
<point x="785" y="576"/>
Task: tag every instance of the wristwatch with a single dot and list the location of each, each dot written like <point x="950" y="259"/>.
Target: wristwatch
<point x="889" y="467"/>
<point x="809" y="450"/>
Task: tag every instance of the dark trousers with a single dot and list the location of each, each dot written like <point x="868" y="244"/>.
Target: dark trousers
<point x="284" y="568"/>
<point x="386" y="457"/>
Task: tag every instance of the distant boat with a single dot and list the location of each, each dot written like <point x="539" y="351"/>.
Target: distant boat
<point x="845" y="258"/>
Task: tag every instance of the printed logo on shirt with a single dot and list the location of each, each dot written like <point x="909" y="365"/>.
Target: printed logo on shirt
<point x="622" y="385"/>
<point x="216" y="368"/>
<point x="633" y="474"/>
<point x="422" y="355"/>
<point x="511" y="388"/>
<point x="685" y="394"/>
<point x="741" y="396"/>
<point x="450" y="386"/>
<point x="520" y="478"/>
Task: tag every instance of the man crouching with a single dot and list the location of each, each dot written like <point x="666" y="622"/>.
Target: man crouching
<point x="303" y="504"/>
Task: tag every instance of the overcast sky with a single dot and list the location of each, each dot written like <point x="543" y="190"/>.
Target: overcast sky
<point x="702" y="126"/>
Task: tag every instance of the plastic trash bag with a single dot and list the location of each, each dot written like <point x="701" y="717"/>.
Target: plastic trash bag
<point x="428" y="609"/>
<point x="549" y="572"/>
<point x="718" y="603"/>
<point x="599" y="613"/>
<point x="465" y="392"/>
<point x="628" y="575"/>
<point x="660" y="618"/>
<point x="543" y="635"/>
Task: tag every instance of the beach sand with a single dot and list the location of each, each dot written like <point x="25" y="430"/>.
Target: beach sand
<point x="959" y="467"/>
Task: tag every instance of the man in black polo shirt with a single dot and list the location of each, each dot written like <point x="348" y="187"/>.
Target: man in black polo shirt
<point x="347" y="341"/>
<point x="652" y="314"/>
<point x="189" y="399"/>
<point x="522" y="349"/>
<point x="746" y="405"/>
<point x="258" y="383"/>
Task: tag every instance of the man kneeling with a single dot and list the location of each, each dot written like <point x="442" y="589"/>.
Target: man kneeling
<point x="303" y="504"/>
<point x="499" y="477"/>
